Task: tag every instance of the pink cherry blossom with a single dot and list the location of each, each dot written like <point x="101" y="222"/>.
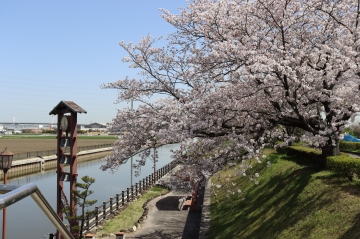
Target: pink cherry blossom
<point x="237" y="75"/>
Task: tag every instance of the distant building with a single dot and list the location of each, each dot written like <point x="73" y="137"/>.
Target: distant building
<point x="95" y="127"/>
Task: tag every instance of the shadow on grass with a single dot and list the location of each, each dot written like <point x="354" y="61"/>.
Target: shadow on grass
<point x="303" y="162"/>
<point x="269" y="209"/>
<point x="354" y="231"/>
<point x="342" y="183"/>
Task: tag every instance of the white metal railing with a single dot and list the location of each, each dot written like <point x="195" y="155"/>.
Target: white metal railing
<point x="14" y="194"/>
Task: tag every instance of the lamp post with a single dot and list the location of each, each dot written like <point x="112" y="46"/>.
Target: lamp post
<point x="5" y="165"/>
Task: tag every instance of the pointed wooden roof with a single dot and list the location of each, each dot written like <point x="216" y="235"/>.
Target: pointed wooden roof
<point x="67" y="107"/>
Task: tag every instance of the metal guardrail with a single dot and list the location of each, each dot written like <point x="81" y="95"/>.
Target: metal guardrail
<point x="14" y="194"/>
<point x="33" y="154"/>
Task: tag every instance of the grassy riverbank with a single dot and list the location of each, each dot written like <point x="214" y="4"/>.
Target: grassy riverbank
<point x="290" y="201"/>
<point x="127" y="218"/>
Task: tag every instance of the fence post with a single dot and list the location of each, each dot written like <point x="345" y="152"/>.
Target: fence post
<point x="144" y="184"/>
<point x="97" y="216"/>
<point x="132" y="192"/>
<point x="111" y="205"/>
<point x="122" y="198"/>
<point x="104" y="210"/>
<point x="152" y="179"/>
<point x="136" y="189"/>
<point x="87" y="221"/>
<point x="128" y="196"/>
<point x="117" y="201"/>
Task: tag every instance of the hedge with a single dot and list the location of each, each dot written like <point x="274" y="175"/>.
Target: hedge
<point x="349" y="146"/>
<point x="344" y="165"/>
<point x="302" y="155"/>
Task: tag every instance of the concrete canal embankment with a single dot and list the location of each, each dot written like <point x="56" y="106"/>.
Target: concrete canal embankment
<point x="34" y="165"/>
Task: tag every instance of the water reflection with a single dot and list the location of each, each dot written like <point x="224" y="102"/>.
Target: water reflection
<point x="26" y="220"/>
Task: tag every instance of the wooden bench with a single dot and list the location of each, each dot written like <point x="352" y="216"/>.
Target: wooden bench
<point x="188" y="202"/>
<point x="185" y="202"/>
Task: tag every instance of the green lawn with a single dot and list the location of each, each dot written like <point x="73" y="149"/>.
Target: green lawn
<point x="290" y="201"/>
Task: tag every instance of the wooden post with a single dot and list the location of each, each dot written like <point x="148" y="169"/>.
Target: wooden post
<point x="97" y="216"/>
<point x="128" y="194"/>
<point x="111" y="205"/>
<point x="117" y="201"/>
<point x="122" y="198"/>
<point x="132" y="192"/>
<point x="87" y="222"/>
<point x="104" y="210"/>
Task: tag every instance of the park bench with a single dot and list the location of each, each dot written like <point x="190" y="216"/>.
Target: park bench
<point x="189" y="201"/>
<point x="185" y="202"/>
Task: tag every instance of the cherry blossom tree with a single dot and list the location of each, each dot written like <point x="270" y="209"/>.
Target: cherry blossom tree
<point x="234" y="71"/>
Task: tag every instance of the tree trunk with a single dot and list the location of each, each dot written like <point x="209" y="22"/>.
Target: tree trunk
<point x="329" y="150"/>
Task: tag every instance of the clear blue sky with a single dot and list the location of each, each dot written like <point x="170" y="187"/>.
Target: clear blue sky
<point x="64" y="50"/>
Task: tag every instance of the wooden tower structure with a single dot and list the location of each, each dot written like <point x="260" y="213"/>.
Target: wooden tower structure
<point x="66" y="146"/>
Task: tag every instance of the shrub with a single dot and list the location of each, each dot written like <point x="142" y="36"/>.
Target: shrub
<point x="349" y="146"/>
<point x="302" y="155"/>
<point x="344" y="165"/>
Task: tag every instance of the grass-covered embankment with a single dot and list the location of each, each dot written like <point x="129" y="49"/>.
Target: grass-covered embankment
<point x="127" y="218"/>
<point x="290" y="201"/>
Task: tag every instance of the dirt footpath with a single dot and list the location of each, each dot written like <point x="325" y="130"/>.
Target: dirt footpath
<point x="166" y="221"/>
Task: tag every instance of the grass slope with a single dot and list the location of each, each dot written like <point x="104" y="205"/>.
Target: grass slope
<point x="290" y="201"/>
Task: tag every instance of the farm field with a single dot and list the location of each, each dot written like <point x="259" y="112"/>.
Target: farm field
<point x="31" y="143"/>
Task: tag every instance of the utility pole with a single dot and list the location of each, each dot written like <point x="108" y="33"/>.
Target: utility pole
<point x="131" y="161"/>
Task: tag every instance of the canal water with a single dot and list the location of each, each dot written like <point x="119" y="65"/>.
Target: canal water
<point x="26" y="220"/>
